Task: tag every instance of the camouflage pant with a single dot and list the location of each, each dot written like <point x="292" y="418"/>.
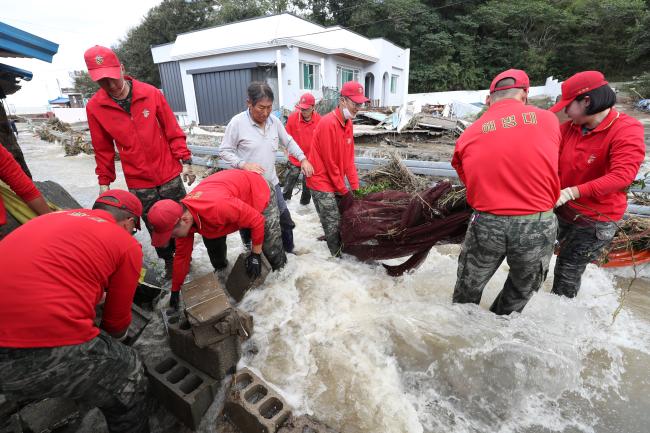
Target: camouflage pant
<point x="328" y="212"/>
<point x="526" y="242"/>
<point x="290" y="180"/>
<point x="100" y="372"/>
<point x="579" y="246"/>
<point x="174" y="190"/>
<point x="272" y="246"/>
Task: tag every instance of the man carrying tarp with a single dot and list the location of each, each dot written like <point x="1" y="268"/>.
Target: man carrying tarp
<point x="300" y="125"/>
<point x="55" y="270"/>
<point x="221" y="204"/>
<point x="135" y="117"/>
<point x="333" y="161"/>
<point x="13" y="175"/>
<point x="508" y="160"/>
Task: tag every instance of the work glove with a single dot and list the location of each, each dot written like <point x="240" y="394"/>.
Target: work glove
<point x="103" y="188"/>
<point x="565" y="195"/>
<point x="253" y="265"/>
<point x="188" y="174"/>
<point x="173" y="300"/>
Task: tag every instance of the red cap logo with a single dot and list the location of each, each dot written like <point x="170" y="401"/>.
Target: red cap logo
<point x="99" y="60"/>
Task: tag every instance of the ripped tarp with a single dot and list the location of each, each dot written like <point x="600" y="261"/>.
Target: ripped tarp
<point x="393" y="224"/>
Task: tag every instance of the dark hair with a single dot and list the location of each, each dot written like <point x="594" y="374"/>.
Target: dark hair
<point x="505" y="93"/>
<point x="118" y="214"/>
<point x="600" y="99"/>
<point x="258" y="90"/>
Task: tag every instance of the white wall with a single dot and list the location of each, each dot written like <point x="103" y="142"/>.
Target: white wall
<point x="70" y="115"/>
<point x="393" y="61"/>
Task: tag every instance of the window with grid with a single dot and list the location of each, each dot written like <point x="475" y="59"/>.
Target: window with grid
<point x="343" y="75"/>
<point x="309" y="76"/>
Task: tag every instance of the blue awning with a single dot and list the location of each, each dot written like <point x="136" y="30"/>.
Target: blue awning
<point x="18" y="43"/>
<point x="59" y="100"/>
<point x="16" y="72"/>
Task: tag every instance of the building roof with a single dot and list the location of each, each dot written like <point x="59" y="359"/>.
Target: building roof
<point x="59" y="100"/>
<point x="268" y="32"/>
<point x="18" y="43"/>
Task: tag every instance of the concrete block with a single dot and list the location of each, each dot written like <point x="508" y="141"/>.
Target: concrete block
<point x="169" y="314"/>
<point x="253" y="406"/>
<point x="140" y="318"/>
<point x="216" y="359"/>
<point x="239" y="282"/>
<point x="305" y="424"/>
<point x="205" y="305"/>
<point x="47" y="415"/>
<point x="183" y="390"/>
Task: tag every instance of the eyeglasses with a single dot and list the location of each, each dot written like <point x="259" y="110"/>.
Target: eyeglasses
<point x="354" y="104"/>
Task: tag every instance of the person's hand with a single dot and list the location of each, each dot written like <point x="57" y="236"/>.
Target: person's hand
<point x="567" y="194"/>
<point x="254" y="167"/>
<point x="103" y="188"/>
<point x="254" y="265"/>
<point x="173" y="300"/>
<point x="188" y="174"/>
<point x="306" y="167"/>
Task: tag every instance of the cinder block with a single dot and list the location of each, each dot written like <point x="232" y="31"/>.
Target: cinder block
<point x="239" y="282"/>
<point x="169" y="314"/>
<point x="182" y="389"/>
<point x="253" y="406"/>
<point x="140" y="318"/>
<point x="216" y="359"/>
<point x="48" y="415"/>
<point x="205" y="304"/>
<point x="305" y="424"/>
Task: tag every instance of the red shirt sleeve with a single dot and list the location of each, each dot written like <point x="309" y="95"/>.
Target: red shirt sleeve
<point x="291" y="126"/>
<point x="121" y="288"/>
<point x="173" y="132"/>
<point x="625" y="157"/>
<point x="104" y="149"/>
<point x="14" y="176"/>
<point x="351" y="168"/>
<point x="458" y="165"/>
<point x="182" y="259"/>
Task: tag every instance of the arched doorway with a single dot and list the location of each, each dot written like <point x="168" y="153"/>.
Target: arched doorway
<point x="370" y="87"/>
<point x="385" y="82"/>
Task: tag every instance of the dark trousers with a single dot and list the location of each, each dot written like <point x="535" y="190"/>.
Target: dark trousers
<point x="527" y="244"/>
<point x="580" y="244"/>
<point x="173" y="190"/>
<point x="290" y="180"/>
<point x="101" y="372"/>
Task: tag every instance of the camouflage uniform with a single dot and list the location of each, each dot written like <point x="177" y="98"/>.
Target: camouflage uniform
<point x="326" y="204"/>
<point x="174" y="190"/>
<point x="101" y="372"/>
<point x="290" y="180"/>
<point x="580" y="244"/>
<point x="272" y="246"/>
<point x="527" y="243"/>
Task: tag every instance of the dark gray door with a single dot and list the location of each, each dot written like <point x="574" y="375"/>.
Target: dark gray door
<point x="221" y="95"/>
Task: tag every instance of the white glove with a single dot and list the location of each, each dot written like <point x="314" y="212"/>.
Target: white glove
<point x="103" y="188"/>
<point x="188" y="174"/>
<point x="565" y="195"/>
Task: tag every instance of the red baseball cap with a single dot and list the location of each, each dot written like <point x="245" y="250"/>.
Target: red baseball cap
<point x="520" y="77"/>
<point x="122" y="200"/>
<point x="578" y="84"/>
<point x="162" y="218"/>
<point x="354" y="91"/>
<point x="306" y="101"/>
<point x="102" y="63"/>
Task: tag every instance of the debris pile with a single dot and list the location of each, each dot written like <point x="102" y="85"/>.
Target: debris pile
<point x="74" y="141"/>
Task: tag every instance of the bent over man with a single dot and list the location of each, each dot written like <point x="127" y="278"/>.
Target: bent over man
<point x="55" y="269"/>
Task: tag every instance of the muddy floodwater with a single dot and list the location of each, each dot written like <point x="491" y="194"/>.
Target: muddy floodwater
<point x="368" y="353"/>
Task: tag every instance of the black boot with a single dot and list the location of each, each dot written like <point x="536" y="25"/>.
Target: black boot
<point x="286" y="228"/>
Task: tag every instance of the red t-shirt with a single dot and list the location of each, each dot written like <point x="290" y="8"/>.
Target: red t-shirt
<point x="54" y="271"/>
<point x="222" y="204"/>
<point x="332" y="155"/>
<point x="508" y="159"/>
<point x="602" y="164"/>
<point x="13" y="175"/>
<point x="302" y="131"/>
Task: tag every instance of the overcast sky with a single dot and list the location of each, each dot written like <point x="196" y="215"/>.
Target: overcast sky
<point x="75" y="25"/>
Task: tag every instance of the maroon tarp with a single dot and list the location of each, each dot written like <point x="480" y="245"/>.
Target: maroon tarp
<point x="393" y="224"/>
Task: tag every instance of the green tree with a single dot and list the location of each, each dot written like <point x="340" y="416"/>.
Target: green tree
<point x="83" y="84"/>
